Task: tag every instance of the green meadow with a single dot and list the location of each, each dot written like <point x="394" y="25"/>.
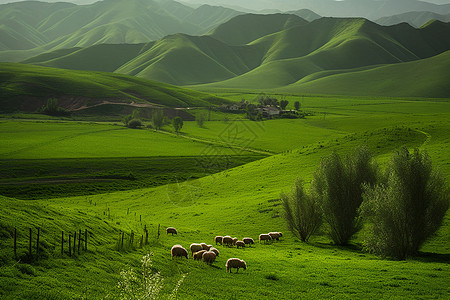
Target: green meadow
<point x="254" y="162"/>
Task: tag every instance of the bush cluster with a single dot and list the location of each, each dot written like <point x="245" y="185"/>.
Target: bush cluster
<point x="402" y="207"/>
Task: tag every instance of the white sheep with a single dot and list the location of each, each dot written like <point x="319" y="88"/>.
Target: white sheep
<point x="264" y="237"/>
<point x="215" y="250"/>
<point x="218" y="239"/>
<point x="248" y="241"/>
<point x="235" y="263"/>
<point x="205" y="247"/>
<point x="235" y="239"/>
<point x="195" y="247"/>
<point x="275" y="235"/>
<point x="198" y="255"/>
<point x="227" y="240"/>
<point x="171" y="230"/>
<point x="240" y="244"/>
<point x="178" y="250"/>
<point x="209" y="257"/>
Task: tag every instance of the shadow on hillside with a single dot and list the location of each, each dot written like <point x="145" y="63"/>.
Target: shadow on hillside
<point x="431" y="257"/>
<point x="350" y="247"/>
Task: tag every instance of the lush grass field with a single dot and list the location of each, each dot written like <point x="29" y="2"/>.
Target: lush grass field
<point x="242" y="201"/>
<point x="214" y="205"/>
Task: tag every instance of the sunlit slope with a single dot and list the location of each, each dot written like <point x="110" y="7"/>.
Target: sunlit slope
<point x="27" y="87"/>
<point x="182" y="59"/>
<point x="104" y="57"/>
<point x="31" y="28"/>
<point x="424" y="78"/>
<point x="335" y="44"/>
<point x="247" y="28"/>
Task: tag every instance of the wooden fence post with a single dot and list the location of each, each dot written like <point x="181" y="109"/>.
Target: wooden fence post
<point x="74" y="243"/>
<point x="159" y="225"/>
<point x="15" y="243"/>
<point x="37" y="242"/>
<point x="70" y="245"/>
<point x="62" y="242"/>
<point x="79" y="241"/>
<point x="146" y="236"/>
<point x="141" y="241"/>
<point x="29" y="247"/>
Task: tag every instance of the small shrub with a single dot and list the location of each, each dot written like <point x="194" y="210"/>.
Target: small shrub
<point x="134" y="123"/>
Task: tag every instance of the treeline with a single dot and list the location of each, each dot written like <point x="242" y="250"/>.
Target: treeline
<point x="402" y="206"/>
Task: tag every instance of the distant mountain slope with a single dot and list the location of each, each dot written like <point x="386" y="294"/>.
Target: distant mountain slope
<point x="272" y="61"/>
<point x="414" y="18"/>
<point x="334" y="44"/>
<point x="305" y="14"/>
<point x="35" y="27"/>
<point x="247" y="28"/>
<point x="27" y="88"/>
<point x="370" y="9"/>
<point x="424" y="78"/>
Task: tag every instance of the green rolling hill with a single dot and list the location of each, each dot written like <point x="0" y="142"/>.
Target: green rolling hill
<point x="247" y="28"/>
<point x="27" y="88"/>
<point x="31" y="28"/>
<point x="428" y="78"/>
<point x="261" y="52"/>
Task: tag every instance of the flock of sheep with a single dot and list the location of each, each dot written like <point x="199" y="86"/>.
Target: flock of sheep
<point x="208" y="253"/>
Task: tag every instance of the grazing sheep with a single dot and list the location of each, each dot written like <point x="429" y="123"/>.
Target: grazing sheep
<point x="209" y="257"/>
<point x="227" y="241"/>
<point x="264" y="237"/>
<point x="240" y="244"/>
<point x="218" y="239"/>
<point x="195" y="247"/>
<point x="178" y="250"/>
<point x="215" y="251"/>
<point x="205" y="247"/>
<point x="235" y="239"/>
<point x="248" y="241"/>
<point x="235" y="263"/>
<point x="171" y="230"/>
<point x="275" y="235"/>
<point x="198" y="255"/>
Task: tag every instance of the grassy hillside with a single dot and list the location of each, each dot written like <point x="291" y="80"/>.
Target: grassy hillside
<point x="244" y="29"/>
<point x="27" y="88"/>
<point x="32" y="28"/>
<point x="214" y="205"/>
<point x="326" y="46"/>
<point x="423" y="78"/>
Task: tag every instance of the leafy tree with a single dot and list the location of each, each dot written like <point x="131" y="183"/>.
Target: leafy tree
<point x="134" y="123"/>
<point x="251" y="111"/>
<point x="177" y="123"/>
<point x="158" y="119"/>
<point x="53" y="109"/>
<point x="297" y="105"/>
<point x="200" y="119"/>
<point x="337" y="184"/>
<point x="283" y="104"/>
<point x="302" y="212"/>
<point x="407" y="207"/>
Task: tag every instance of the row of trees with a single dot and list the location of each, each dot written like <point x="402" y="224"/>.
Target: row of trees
<point x="401" y="207"/>
<point x="158" y="121"/>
